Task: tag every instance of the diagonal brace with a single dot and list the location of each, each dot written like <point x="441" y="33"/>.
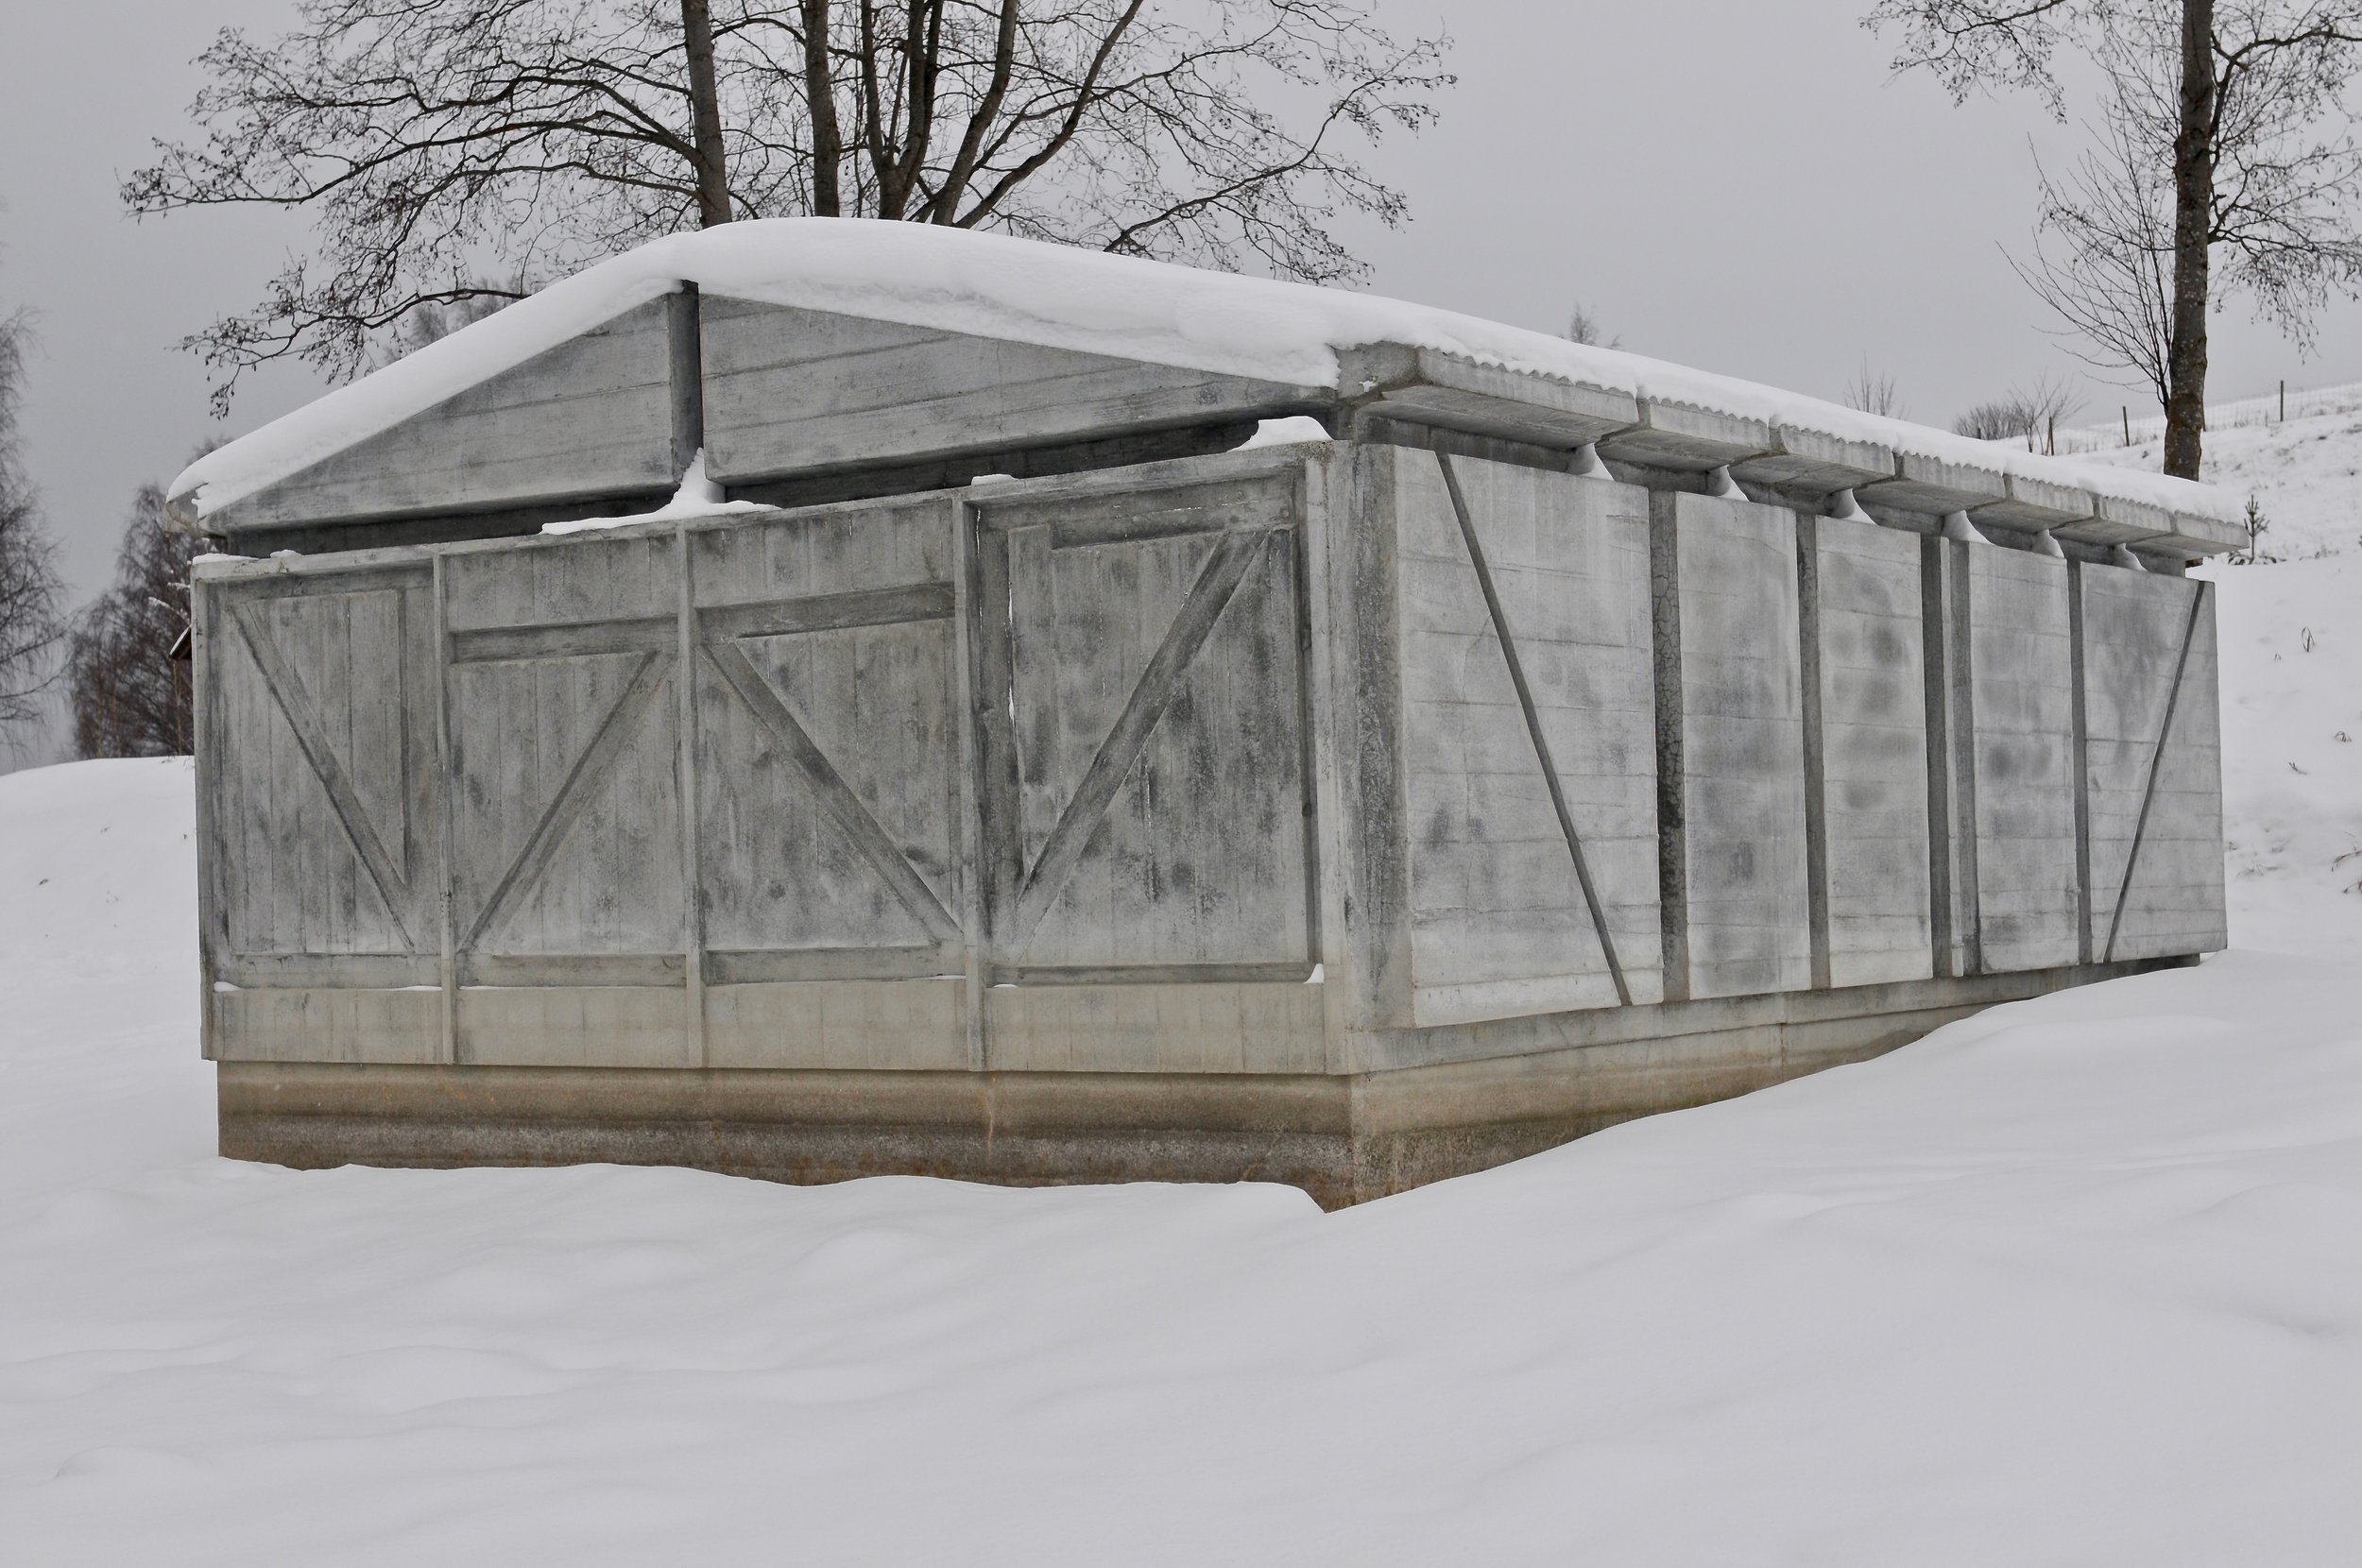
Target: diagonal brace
<point x="288" y="690"/>
<point x="837" y="798"/>
<point x="566" y="803"/>
<point x="2156" y="766"/>
<point x="1224" y="570"/>
<point x="1534" y="727"/>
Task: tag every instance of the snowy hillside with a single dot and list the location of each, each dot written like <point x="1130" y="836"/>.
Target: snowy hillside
<point x="2305" y="473"/>
<point x="2292" y="674"/>
<point x="2073" y="1282"/>
<point x="2292" y="747"/>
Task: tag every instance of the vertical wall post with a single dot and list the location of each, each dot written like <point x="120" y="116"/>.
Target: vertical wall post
<point x="973" y="868"/>
<point x="447" y="759"/>
<point x="1815" y="785"/>
<point x="1373" y="840"/>
<point x="683" y="323"/>
<point x="1328" y="828"/>
<point x="1310" y="497"/>
<point x="692" y="853"/>
<point x="1672" y="839"/>
<point x="1962" y="723"/>
<point x="1937" y="655"/>
<point x="2080" y="732"/>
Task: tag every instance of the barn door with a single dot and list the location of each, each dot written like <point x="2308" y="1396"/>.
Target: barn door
<point x="322" y="780"/>
<point x="1142" y="732"/>
<point x="827" y="762"/>
<point x="567" y="864"/>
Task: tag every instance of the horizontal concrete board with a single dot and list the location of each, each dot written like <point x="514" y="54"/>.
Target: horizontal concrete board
<point x="790" y="390"/>
<point x="588" y="418"/>
<point x="2154" y="763"/>
<point x="1499" y="920"/>
<point x="1730" y="691"/>
<point x="2021" y="667"/>
<point x="1873" y="758"/>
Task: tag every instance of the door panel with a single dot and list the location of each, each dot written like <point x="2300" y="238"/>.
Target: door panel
<point x="1146" y="796"/>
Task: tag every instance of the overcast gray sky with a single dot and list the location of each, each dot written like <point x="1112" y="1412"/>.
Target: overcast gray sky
<point x="1735" y="185"/>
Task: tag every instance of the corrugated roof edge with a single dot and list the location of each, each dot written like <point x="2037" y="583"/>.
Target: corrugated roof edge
<point x="1086" y="300"/>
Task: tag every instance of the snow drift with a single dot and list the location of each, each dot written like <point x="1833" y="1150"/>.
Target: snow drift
<point x="2072" y="1282"/>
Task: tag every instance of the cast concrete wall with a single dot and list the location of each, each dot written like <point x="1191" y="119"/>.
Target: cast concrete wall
<point x="592" y="416"/>
<point x="2154" y="765"/>
<point x="790" y="390"/>
<point x="1865" y="752"/>
<point x="1526" y="736"/>
<point x="978" y="781"/>
<point x="1730" y="738"/>
<point x="1301" y="765"/>
<point x="2017" y="692"/>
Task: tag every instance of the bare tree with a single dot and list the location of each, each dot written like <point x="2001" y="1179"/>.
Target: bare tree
<point x="2029" y="413"/>
<point x="443" y="144"/>
<point x="30" y="629"/>
<point x="1874" y="393"/>
<point x="2213" y="176"/>
<point x="2103" y="257"/>
<point x="130" y="693"/>
<point x="1584" y="326"/>
<point x="1996" y="420"/>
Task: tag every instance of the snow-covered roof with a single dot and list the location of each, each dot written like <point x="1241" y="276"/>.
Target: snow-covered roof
<point x="995" y="286"/>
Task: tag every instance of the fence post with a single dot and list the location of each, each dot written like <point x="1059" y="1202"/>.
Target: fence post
<point x="2284" y="401"/>
<point x="2128" y="425"/>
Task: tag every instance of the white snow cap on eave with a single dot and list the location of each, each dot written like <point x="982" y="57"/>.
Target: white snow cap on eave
<point x="997" y="286"/>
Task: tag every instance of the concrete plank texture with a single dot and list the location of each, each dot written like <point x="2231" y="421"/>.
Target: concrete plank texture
<point x="1314" y="768"/>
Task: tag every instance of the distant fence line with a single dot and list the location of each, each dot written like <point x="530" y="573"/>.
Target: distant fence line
<point x="2296" y="404"/>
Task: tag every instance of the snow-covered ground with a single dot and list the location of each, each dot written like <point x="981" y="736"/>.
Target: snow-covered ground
<point x="2077" y="1281"/>
<point x="2292" y="748"/>
<point x="2305" y="473"/>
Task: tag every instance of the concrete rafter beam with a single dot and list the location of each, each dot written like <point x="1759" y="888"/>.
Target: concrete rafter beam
<point x="1420" y="386"/>
<point x="1686" y="437"/>
<point x="1809" y="462"/>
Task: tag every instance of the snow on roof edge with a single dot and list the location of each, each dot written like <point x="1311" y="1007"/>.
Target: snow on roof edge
<point x="1060" y="297"/>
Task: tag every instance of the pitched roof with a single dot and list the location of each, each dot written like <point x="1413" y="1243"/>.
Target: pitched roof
<point x="997" y="286"/>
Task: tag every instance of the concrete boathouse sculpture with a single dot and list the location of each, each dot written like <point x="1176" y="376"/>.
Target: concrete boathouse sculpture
<point x="998" y="761"/>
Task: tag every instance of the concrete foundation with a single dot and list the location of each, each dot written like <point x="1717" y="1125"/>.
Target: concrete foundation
<point x="1344" y="1139"/>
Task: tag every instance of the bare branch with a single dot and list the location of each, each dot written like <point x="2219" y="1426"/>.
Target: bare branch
<point x="1873" y="392"/>
<point x="1974" y="45"/>
<point x="441" y="143"/>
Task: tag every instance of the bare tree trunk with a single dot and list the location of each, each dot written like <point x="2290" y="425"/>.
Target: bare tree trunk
<point x="705" y="112"/>
<point x="2193" y="201"/>
<point x="828" y="141"/>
